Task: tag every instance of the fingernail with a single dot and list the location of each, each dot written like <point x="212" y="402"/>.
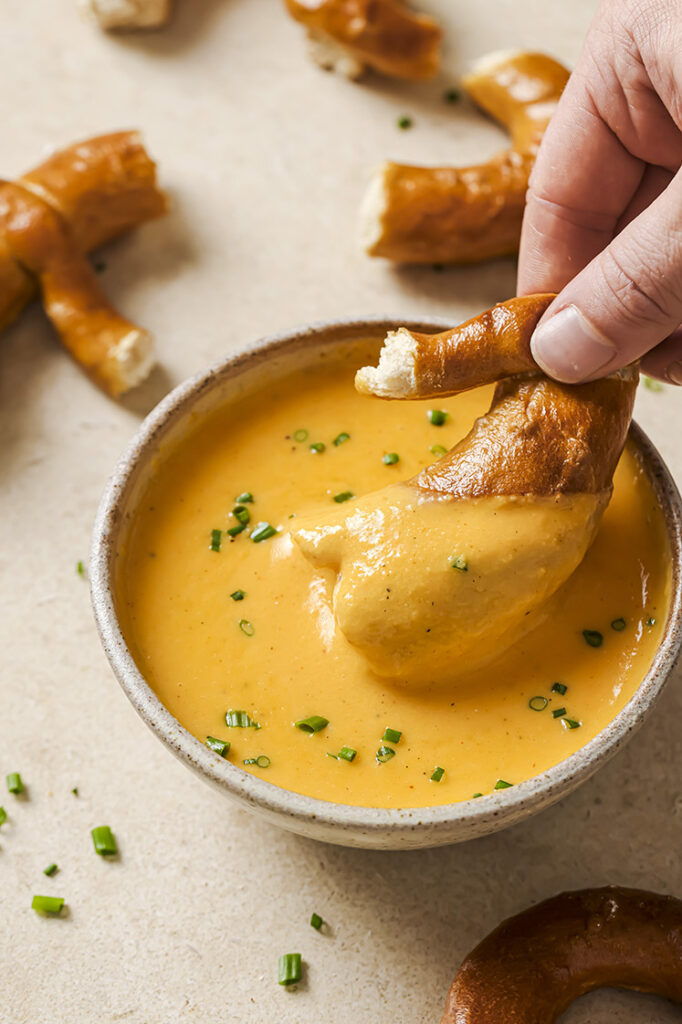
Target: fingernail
<point x="569" y="347"/>
<point x="674" y="373"/>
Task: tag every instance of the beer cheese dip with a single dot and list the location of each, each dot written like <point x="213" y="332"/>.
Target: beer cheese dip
<point x="231" y="624"/>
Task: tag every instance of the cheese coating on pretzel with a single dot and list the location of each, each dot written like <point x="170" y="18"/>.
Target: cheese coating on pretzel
<point x="414" y="214"/>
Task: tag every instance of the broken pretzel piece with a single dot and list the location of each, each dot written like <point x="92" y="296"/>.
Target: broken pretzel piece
<point x="77" y="200"/>
<point x="352" y="35"/>
<point x="131" y="14"/>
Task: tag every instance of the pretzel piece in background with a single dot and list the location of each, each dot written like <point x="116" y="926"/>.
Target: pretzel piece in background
<point x="131" y="14"/>
<point x="534" y="965"/>
<point x="461" y="215"/>
<point x="77" y="200"/>
<point x="351" y="35"/>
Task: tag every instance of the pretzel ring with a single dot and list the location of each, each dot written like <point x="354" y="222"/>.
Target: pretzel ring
<point x="468" y="214"/>
<point x="352" y="35"/>
<point x="77" y="200"/>
<point x="532" y="967"/>
<point x="540" y="462"/>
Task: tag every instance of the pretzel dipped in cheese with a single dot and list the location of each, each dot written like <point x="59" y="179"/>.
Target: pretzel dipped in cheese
<point x="77" y="200"/>
<point x="440" y="574"/>
<point x="131" y="14"/>
<point x="468" y="214"/>
<point x="352" y="35"/>
<point x="533" y="966"/>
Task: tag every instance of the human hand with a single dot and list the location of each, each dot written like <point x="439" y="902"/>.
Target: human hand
<point x="603" y="223"/>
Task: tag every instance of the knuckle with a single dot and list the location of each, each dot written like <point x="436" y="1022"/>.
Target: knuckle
<point x="640" y="296"/>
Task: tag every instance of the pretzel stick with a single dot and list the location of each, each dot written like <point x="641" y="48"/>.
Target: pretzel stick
<point x="468" y="214"/>
<point x="531" y="968"/>
<point x="352" y="35"/>
<point x="79" y="199"/>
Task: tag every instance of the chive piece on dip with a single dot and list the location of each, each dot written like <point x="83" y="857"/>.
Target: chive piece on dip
<point x="216" y="540"/>
<point x="384" y="754"/>
<point x="221" y="747"/>
<point x="316" y="922"/>
<point x="347" y="754"/>
<point x="438" y="774"/>
<point x="460" y="563"/>
<point x="437" y="417"/>
<point x="245" y="498"/>
<point x="247" y="628"/>
<point x="618" y="625"/>
<point x="241" y="514"/>
<point x="593" y="637"/>
<point x="538" y="703"/>
<point x="341" y="438"/>
<point x="313" y="724"/>
<point x="14" y="783"/>
<point x="262" y="531"/>
<point x="501" y="784"/>
<point x="558" y="712"/>
<point x="437" y="449"/>
<point x="559" y="688"/>
<point x="300" y="435"/>
<point x="238" y="595"/>
<point x="289" y="969"/>
<point x="262" y="761"/>
<point x="240" y="720"/>
<point x="391" y="736"/>
<point x="234" y="531"/>
<point x="343" y="496"/>
<point x="570" y="723"/>
<point x="103" y="841"/>
<point x="390" y="458"/>
<point x="318" y="448"/>
<point x="47" y="904"/>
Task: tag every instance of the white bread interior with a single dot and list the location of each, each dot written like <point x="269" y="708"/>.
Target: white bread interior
<point x="395" y="376"/>
<point x="132" y="359"/>
<point x="331" y="56"/>
<point x="373" y="210"/>
<point x="116" y="14"/>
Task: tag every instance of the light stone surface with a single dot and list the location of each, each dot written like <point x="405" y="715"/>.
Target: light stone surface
<point x="266" y="158"/>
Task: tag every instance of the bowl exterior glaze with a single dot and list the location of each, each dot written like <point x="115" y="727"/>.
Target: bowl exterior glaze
<point x="374" y="828"/>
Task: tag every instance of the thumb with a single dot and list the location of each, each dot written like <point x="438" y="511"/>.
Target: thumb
<point x="626" y="301"/>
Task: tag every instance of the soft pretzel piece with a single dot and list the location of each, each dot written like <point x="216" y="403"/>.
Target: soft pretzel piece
<point x="350" y="35"/>
<point x="468" y="214"/>
<point x="77" y="200"/>
<point x="131" y="14"/>
<point x="533" y="966"/>
<point x="515" y="505"/>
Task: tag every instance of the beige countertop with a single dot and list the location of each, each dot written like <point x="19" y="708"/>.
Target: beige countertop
<point x="266" y="158"/>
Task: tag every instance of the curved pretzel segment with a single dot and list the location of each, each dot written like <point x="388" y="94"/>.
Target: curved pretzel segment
<point x="462" y="215"/>
<point x="352" y="35"/>
<point x="77" y="200"/>
<point x="534" y="965"/>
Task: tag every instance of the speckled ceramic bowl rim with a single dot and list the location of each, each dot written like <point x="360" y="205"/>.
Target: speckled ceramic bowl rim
<point x="299" y="812"/>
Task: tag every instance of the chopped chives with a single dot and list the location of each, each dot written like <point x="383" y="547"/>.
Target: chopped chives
<point x="3" y="815"/>
<point x="437" y="417"/>
<point x="313" y="724"/>
<point x="404" y="122"/>
<point x="47" y="904"/>
<point x="384" y="754"/>
<point x="347" y="754"/>
<point x="651" y="384"/>
<point x="438" y="774"/>
<point x="476" y="796"/>
<point x="240" y="720"/>
<point x="262" y="761"/>
<point x="216" y="540"/>
<point x="390" y="458"/>
<point x="593" y="637"/>
<point x="238" y="595"/>
<point x="316" y="922"/>
<point x="247" y="628"/>
<point x="104" y="842"/>
<point x="221" y="747"/>
<point x="437" y="449"/>
<point x="651" y="622"/>
<point x="452" y="96"/>
<point x="14" y="783"/>
<point x="501" y="784"/>
<point x="300" y="435"/>
<point x="80" y="568"/>
<point x="538" y="703"/>
<point x="570" y="723"/>
<point x="341" y="438"/>
<point x="234" y="531"/>
<point x="559" y="688"/>
<point x="460" y="563"/>
<point x="262" y="531"/>
<point x="289" y="969"/>
<point x="241" y="514"/>
<point x="618" y="625"/>
<point x="391" y="735"/>
<point x="245" y="498"/>
<point x="558" y="712"/>
<point x="343" y="496"/>
<point x="50" y="870"/>
<point x="318" y="448"/>
<point x="75" y="790"/>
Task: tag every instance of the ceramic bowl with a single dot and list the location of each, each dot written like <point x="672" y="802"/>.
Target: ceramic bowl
<point x="409" y="828"/>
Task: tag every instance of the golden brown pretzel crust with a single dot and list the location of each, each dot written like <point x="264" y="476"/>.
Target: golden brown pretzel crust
<point x="78" y="199"/>
<point x="468" y="214"/>
<point x="382" y="34"/>
<point x="539" y="436"/>
<point x="532" y="967"/>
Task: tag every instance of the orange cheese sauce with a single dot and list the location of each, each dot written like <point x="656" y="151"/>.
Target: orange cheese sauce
<point x="289" y="661"/>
